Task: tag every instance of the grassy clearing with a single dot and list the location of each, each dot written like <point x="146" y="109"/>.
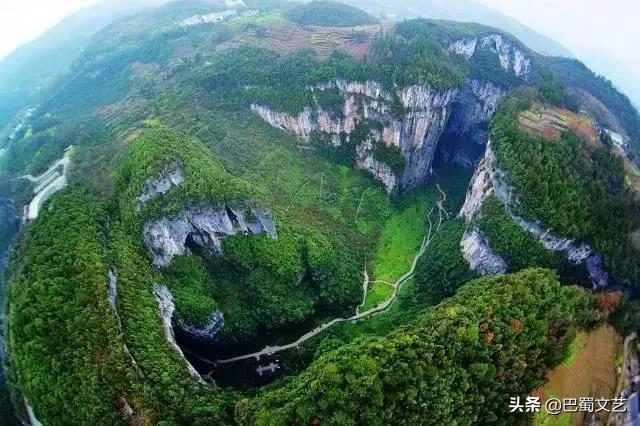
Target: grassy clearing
<point x="378" y="292"/>
<point x="543" y="418"/>
<point x="401" y="236"/>
<point x="265" y="20"/>
<point x="576" y="347"/>
<point x="530" y="115"/>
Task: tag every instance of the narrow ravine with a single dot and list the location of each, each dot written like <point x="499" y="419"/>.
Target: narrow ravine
<point x="379" y="309"/>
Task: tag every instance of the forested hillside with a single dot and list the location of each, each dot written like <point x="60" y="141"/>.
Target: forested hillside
<point x="261" y="213"/>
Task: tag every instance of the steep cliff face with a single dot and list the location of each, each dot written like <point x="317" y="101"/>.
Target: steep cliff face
<point x="465" y="136"/>
<point x="204" y="227"/>
<point x="210" y="332"/>
<point x="161" y="184"/>
<point x="512" y="58"/>
<point x="415" y="133"/>
<point x="166" y="308"/>
<point x="489" y="180"/>
<point x="476" y="251"/>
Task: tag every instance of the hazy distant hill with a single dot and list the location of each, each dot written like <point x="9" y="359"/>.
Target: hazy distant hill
<point x="467" y="11"/>
<point x="30" y="67"/>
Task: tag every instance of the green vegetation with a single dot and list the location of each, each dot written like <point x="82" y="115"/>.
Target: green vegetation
<point x="627" y="317"/>
<point x="442" y="269"/>
<point x="377" y="293"/>
<point x="401" y="237"/>
<point x="174" y="394"/>
<point x="440" y="367"/>
<point x="260" y="283"/>
<point x="576" y="74"/>
<point x="328" y="13"/>
<point x="161" y="151"/>
<point x="65" y="353"/>
<point x="190" y="285"/>
<point x="518" y="247"/>
<point x="148" y="96"/>
<point x="572" y="190"/>
<point x="391" y="156"/>
<point x="575" y="348"/>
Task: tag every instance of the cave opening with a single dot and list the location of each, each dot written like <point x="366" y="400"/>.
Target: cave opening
<point x="463" y="142"/>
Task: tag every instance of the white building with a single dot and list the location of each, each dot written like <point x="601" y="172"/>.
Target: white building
<point x="209" y="18"/>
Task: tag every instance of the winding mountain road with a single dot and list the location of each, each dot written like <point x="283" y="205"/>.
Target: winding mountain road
<point x="47" y="184"/>
<point x="381" y="308"/>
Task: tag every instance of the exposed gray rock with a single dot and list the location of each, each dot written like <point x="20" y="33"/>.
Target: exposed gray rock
<point x="467" y="132"/>
<point x="476" y="251"/>
<point x="209" y="332"/>
<point x="112" y="298"/>
<point x="156" y="186"/>
<point x="166" y="308"/>
<point x="476" y="103"/>
<point x="33" y="420"/>
<point x="511" y="57"/>
<point x="366" y="161"/>
<point x="416" y="133"/>
<point x="480" y="187"/>
<point x="489" y="180"/>
<point x="597" y="273"/>
<point x="575" y="252"/>
<point x="465" y="46"/>
<point x="205" y="227"/>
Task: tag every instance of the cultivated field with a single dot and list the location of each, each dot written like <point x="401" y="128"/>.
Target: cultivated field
<point x="286" y="38"/>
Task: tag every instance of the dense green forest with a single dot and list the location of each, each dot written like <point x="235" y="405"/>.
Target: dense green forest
<point x="442" y="366"/>
<point x="149" y="95"/>
<point x="65" y="352"/>
<point x="528" y="313"/>
<point x="328" y="13"/>
<point x="439" y="275"/>
<point x="572" y="190"/>
<point x="261" y="283"/>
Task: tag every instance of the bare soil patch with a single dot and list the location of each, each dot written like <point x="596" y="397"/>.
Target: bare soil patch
<point x="589" y="371"/>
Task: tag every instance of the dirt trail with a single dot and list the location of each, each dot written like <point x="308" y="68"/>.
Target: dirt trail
<point x="381" y="308"/>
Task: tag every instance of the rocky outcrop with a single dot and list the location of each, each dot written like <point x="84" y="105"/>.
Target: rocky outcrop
<point x="365" y="160"/>
<point x="416" y="132"/>
<point x="209" y="332"/>
<point x="301" y="125"/>
<point x="489" y="180"/>
<point x="166" y="308"/>
<point x="465" y="137"/>
<point x="161" y="184"/>
<point x="33" y="420"/>
<point x="476" y="251"/>
<point x="512" y="58"/>
<point x="204" y="227"/>
<point x="476" y="103"/>
<point x="465" y="46"/>
<point x="112" y="298"/>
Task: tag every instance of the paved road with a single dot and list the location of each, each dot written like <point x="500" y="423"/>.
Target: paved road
<point x="47" y="184"/>
<point x="381" y="308"/>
